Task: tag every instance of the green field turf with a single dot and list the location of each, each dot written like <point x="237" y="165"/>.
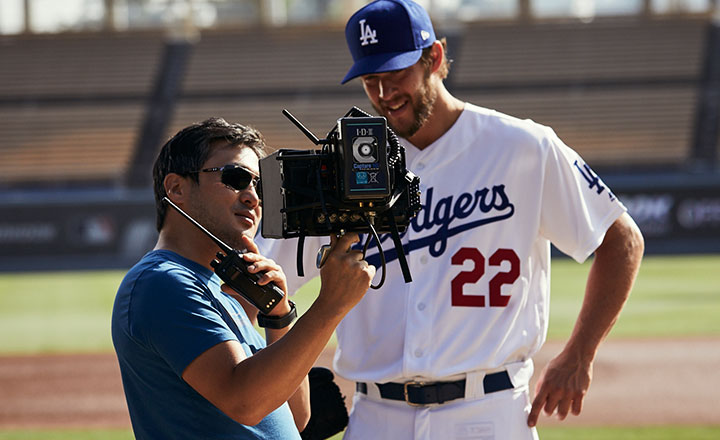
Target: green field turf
<point x="56" y="312"/>
<point x="70" y="311"/>
<point x="674" y="296"/>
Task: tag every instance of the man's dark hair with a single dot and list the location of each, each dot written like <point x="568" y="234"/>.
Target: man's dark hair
<point x="427" y="60"/>
<point x="191" y="147"/>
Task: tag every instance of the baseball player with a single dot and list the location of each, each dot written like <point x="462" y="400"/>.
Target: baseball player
<point x="449" y="356"/>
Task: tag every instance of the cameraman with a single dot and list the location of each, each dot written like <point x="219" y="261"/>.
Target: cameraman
<point x="449" y="355"/>
<point x="192" y="364"/>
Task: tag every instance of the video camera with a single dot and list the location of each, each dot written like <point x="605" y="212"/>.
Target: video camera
<point x="357" y="182"/>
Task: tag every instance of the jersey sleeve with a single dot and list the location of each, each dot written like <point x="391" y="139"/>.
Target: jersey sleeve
<point x="176" y="318"/>
<point x="577" y="206"/>
<point x="284" y="252"/>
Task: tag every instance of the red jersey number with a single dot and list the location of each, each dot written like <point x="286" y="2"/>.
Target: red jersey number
<point x="497" y="299"/>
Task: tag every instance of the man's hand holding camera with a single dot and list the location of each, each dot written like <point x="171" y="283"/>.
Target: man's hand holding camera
<point x="345" y="276"/>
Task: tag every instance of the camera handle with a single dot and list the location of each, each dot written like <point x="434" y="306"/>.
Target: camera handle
<point x="324" y="251"/>
<point x="369" y="221"/>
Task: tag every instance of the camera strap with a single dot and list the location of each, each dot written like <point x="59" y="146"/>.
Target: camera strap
<point x="299" y="260"/>
<point x="399" y="247"/>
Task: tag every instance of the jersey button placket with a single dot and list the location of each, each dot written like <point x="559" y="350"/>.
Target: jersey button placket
<point x="410" y="345"/>
<point x="418" y="327"/>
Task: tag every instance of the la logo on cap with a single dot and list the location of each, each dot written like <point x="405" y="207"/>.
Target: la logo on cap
<point x="367" y="35"/>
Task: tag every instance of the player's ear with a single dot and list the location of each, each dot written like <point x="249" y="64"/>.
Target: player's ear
<point x="437" y="54"/>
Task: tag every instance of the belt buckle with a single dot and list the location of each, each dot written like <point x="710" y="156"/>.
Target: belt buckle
<point x="405" y="391"/>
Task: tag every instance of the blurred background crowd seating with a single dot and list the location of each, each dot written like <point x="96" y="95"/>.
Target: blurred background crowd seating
<point x="86" y="103"/>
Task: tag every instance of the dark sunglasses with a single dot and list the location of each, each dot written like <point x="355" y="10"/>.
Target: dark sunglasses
<point x="236" y="177"/>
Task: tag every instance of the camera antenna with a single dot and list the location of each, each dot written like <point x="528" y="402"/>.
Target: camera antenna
<point x="309" y="134"/>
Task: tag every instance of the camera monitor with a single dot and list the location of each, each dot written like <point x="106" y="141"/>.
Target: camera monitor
<point x="356" y="182"/>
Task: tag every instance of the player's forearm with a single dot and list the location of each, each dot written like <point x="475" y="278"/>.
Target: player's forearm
<point x="610" y="281"/>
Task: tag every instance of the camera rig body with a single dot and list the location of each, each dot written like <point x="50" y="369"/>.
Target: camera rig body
<point x="356" y="182"/>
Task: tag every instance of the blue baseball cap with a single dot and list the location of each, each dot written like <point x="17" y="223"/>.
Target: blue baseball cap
<point x="387" y="35"/>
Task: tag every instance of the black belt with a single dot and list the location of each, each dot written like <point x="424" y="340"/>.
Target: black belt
<point x="421" y="393"/>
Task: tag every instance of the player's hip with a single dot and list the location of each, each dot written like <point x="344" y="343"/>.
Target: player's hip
<point x="495" y="416"/>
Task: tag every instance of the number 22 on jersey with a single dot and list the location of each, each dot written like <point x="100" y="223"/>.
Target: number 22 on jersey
<point x="472" y="276"/>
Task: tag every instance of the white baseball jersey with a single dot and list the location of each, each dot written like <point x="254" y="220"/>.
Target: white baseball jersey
<point x="496" y="191"/>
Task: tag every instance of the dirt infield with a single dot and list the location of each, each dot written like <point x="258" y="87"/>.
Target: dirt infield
<point x="636" y="383"/>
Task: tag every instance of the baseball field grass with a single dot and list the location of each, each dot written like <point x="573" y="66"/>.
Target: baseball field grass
<point x="69" y="312"/>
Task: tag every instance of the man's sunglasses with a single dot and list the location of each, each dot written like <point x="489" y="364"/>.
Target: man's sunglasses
<point x="236" y="177"/>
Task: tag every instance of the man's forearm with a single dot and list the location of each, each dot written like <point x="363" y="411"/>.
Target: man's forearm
<point x="294" y="354"/>
<point x="610" y="281"/>
<point x="565" y="380"/>
<point x="300" y="401"/>
<point x="300" y="404"/>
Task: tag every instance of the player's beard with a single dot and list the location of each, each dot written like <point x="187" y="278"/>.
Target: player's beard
<point x="422" y="102"/>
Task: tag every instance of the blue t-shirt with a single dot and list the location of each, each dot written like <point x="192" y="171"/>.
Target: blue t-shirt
<point x="166" y="314"/>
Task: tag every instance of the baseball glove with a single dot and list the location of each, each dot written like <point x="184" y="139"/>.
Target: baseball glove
<point x="328" y="414"/>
